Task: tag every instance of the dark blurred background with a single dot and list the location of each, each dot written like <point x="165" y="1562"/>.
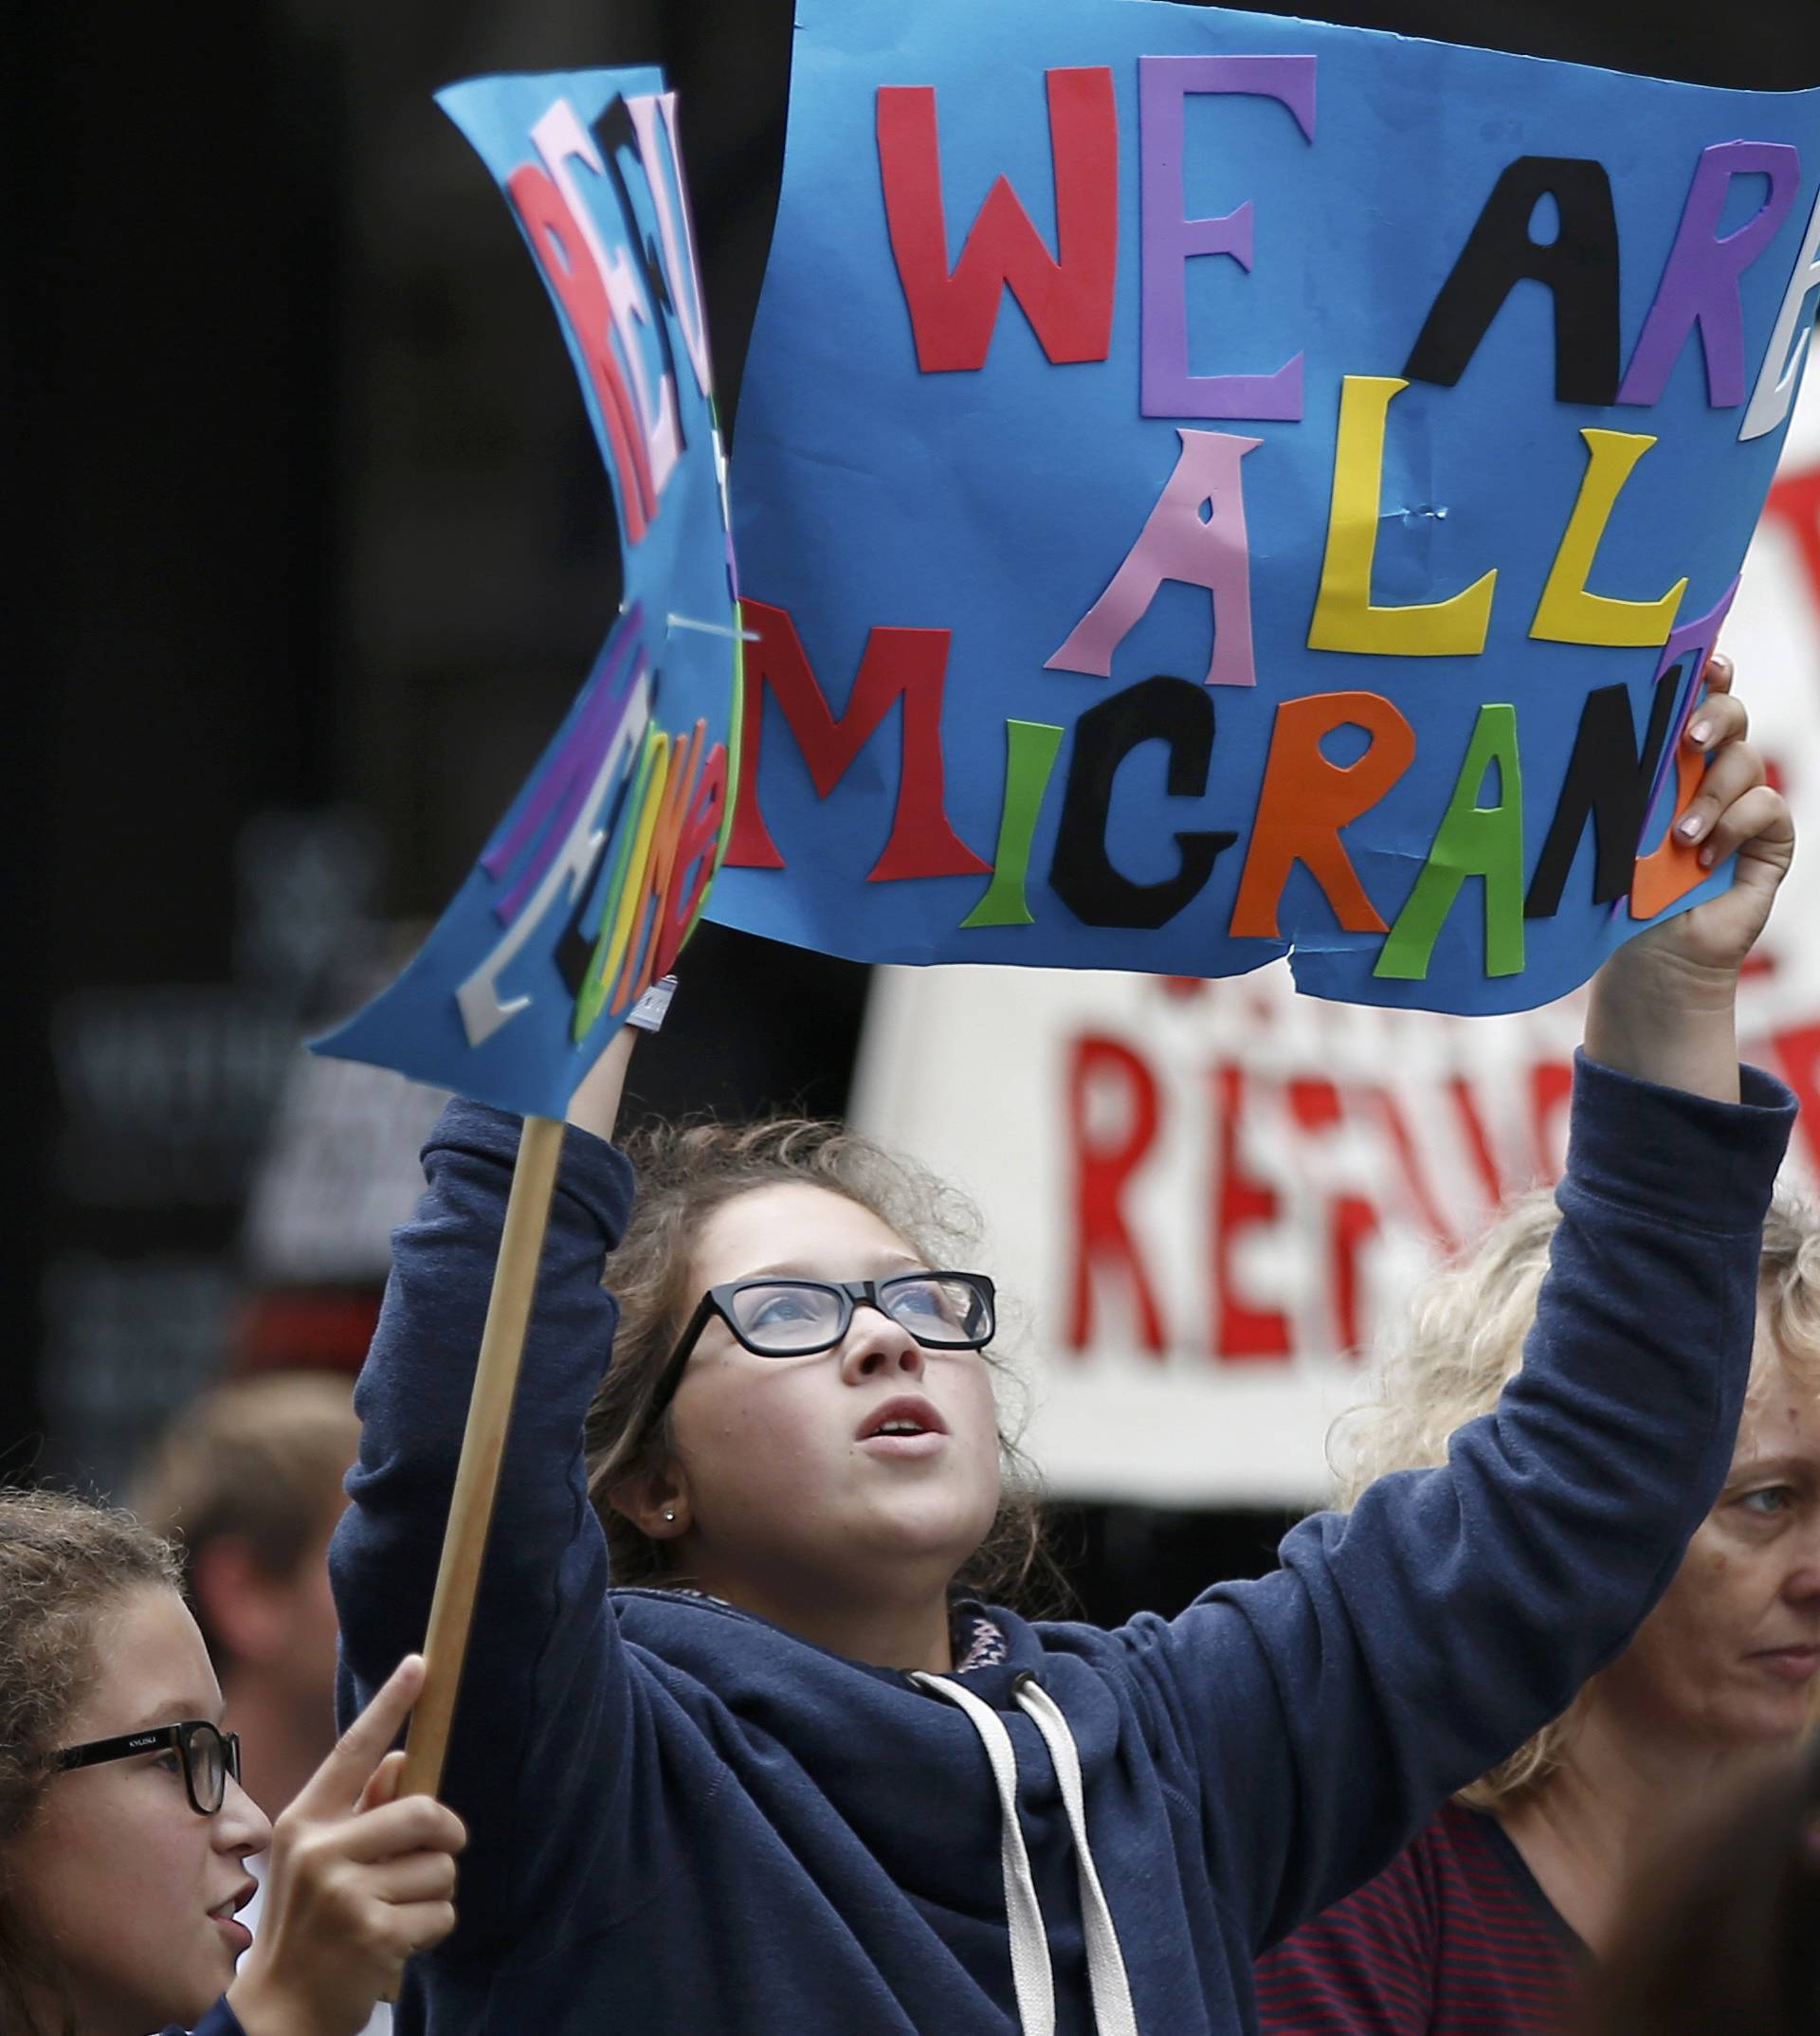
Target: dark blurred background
<point x="315" y="547"/>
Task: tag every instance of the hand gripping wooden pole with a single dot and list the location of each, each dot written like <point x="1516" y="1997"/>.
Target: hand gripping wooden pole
<point x="476" y="1476"/>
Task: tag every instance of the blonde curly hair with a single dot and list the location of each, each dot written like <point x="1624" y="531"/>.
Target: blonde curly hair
<point x="1466" y="1341"/>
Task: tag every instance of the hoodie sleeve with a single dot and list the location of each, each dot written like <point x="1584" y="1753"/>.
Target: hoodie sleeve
<point x="1324" y="1711"/>
<point x="220" y="2021"/>
<point x="546" y="1713"/>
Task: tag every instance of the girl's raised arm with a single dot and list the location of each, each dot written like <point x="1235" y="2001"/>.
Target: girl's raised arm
<point x="545" y="1695"/>
<point x="1403" y="1650"/>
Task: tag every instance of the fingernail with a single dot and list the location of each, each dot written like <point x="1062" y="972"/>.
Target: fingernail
<point x="1689" y="828"/>
<point x="1699" y="731"/>
<point x="1706" y="857"/>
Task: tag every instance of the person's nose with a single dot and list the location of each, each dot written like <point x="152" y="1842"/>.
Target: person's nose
<point x="1801" y="1580"/>
<point x="875" y="1346"/>
<point x="240" y="1824"/>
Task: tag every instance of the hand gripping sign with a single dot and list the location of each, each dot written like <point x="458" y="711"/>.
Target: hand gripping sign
<point x="579" y="904"/>
<point x="1211" y="487"/>
<point x="584" y="894"/>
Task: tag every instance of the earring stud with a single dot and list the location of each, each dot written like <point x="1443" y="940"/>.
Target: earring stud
<point x="670" y="1515"/>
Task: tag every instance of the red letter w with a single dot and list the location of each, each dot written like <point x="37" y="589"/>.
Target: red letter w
<point x="1068" y="300"/>
<point x="907" y="664"/>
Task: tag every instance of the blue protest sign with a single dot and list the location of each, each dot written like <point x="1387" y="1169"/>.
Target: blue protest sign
<point x="593" y="878"/>
<point x="1210" y="484"/>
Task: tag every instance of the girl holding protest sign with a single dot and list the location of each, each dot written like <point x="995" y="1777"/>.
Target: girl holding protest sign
<point x="790" y="1777"/>
<point x="124" y="1832"/>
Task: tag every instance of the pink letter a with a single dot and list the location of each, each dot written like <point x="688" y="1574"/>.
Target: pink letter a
<point x="1178" y="542"/>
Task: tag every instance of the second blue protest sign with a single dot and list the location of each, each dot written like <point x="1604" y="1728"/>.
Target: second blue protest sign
<point x="1211" y="486"/>
<point x="593" y="880"/>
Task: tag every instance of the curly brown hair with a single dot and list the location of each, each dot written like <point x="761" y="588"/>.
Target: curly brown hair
<point x="685" y="1172"/>
<point x="63" y="1562"/>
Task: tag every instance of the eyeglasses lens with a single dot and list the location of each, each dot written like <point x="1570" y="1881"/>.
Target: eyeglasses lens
<point x="785" y="1316"/>
<point x="942" y="1309"/>
<point x="208" y="1754"/>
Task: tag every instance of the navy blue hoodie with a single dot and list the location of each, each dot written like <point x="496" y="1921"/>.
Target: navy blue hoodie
<point x="686" y="1822"/>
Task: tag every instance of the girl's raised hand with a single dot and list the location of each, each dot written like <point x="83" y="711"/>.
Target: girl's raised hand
<point x="359" y="1882"/>
<point x="1664" y="1005"/>
<point x="1734" y="811"/>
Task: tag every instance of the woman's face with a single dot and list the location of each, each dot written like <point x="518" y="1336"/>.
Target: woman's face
<point x="1731" y="1654"/>
<point x="131" y="1890"/>
<point x="783" y="1478"/>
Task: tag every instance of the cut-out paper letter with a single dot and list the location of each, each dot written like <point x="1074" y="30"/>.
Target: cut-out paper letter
<point x="562" y="868"/>
<point x="910" y="665"/>
<point x="1568" y="613"/>
<point x="561" y="247"/>
<point x="1176" y="712"/>
<point x="1780" y="374"/>
<point x="1579" y="266"/>
<point x="652" y="875"/>
<point x="1307" y="799"/>
<point x="1700" y="286"/>
<point x="590" y="974"/>
<point x="1029" y="756"/>
<point x="1067" y="296"/>
<point x="1344" y="617"/>
<point x="1194" y="533"/>
<point x="692" y="861"/>
<point x="1665" y="877"/>
<point x="1473" y="841"/>
<point x="630" y="275"/>
<point x="1170" y="241"/>
<point x="1609" y="783"/>
<point x="654" y="124"/>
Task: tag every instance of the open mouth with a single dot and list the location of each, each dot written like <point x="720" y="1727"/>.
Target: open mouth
<point x="225" y="1912"/>
<point x="902" y="1420"/>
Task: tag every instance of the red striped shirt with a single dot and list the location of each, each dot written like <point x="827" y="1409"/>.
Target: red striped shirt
<point x="1453" y="1938"/>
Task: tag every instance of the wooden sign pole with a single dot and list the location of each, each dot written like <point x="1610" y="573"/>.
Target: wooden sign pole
<point x="477" y="1477"/>
<point x="595" y="1107"/>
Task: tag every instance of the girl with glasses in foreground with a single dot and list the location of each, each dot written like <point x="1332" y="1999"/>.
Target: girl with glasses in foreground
<point x="791" y="1774"/>
<point x="124" y="1832"/>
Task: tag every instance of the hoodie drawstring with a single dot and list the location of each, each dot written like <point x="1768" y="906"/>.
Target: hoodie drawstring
<point x="1031" y="1977"/>
<point x="1106" y="1981"/>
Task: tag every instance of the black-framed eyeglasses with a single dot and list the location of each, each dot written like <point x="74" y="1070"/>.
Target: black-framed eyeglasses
<point x="209" y="1756"/>
<point x="772" y="1318"/>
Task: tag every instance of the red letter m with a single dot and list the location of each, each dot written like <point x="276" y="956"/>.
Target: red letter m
<point x="907" y="664"/>
<point x="1067" y="299"/>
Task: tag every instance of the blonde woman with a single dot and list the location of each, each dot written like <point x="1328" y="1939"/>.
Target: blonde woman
<point x="1484" y="1922"/>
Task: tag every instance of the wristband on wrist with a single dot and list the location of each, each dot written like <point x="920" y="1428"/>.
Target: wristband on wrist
<point x="648" y="1013"/>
